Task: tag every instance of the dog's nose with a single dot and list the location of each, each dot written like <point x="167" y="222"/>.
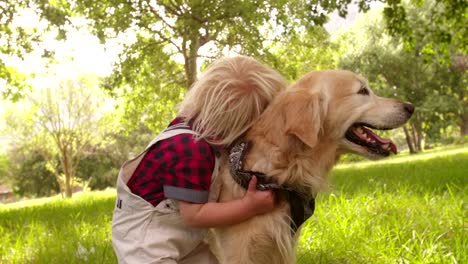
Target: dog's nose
<point x="409" y="108"/>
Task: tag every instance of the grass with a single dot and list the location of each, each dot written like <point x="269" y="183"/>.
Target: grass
<point x="400" y="210"/>
<point x="55" y="230"/>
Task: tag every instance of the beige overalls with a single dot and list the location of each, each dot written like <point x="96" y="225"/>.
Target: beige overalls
<point x="142" y="233"/>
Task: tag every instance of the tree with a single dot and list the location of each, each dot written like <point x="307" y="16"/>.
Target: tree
<point x="101" y="167"/>
<point x="149" y="73"/>
<point x="397" y="71"/>
<point x="63" y="121"/>
<point x="183" y="28"/>
<point x="170" y="37"/>
<point x="443" y="25"/>
<point x="18" y="39"/>
<point x="302" y="52"/>
<point x="30" y="175"/>
<point x="179" y="28"/>
<point x="14" y="83"/>
<point x="5" y="165"/>
<point x="437" y="32"/>
<point x="148" y="86"/>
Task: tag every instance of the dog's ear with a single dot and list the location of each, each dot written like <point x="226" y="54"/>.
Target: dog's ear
<point x="303" y="116"/>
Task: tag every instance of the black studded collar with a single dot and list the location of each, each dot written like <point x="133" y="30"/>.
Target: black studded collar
<point x="302" y="206"/>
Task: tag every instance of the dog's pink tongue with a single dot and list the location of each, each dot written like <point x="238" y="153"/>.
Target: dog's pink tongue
<point x="382" y="141"/>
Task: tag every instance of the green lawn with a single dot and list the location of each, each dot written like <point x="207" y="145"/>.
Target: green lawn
<point x="53" y="230"/>
<point x="401" y="210"/>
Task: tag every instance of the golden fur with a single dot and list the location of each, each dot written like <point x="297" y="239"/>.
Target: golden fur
<point x="297" y="141"/>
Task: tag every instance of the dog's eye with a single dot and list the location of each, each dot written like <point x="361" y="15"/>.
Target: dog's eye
<point x="363" y="91"/>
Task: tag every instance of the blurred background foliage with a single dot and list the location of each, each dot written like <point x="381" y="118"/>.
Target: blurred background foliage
<point x="76" y="132"/>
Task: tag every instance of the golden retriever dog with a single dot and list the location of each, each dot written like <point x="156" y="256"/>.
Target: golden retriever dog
<point x="295" y="143"/>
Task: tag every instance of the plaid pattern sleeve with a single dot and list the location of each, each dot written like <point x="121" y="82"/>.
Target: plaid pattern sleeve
<point x="179" y="168"/>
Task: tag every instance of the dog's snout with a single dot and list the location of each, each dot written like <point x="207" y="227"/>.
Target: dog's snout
<point x="409" y="108"/>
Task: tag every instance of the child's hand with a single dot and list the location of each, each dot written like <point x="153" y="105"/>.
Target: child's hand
<point x="213" y="214"/>
<point x="259" y="201"/>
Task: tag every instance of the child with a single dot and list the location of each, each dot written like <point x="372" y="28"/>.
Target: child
<point x="163" y="204"/>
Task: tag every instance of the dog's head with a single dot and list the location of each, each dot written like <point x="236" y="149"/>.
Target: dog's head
<point x="339" y="107"/>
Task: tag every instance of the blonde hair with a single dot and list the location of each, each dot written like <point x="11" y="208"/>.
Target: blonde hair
<point x="230" y="95"/>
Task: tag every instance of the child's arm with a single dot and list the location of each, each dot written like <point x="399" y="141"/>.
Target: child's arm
<point x="227" y="213"/>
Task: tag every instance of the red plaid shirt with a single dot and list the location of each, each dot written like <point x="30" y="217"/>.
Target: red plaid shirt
<point x="178" y="167"/>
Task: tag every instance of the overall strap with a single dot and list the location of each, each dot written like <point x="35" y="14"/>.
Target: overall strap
<point x="171" y="131"/>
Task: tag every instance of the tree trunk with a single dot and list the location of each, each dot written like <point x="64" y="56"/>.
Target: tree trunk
<point x="408" y="140"/>
<point x="464" y="123"/>
<point x="414" y="137"/>
<point x="191" y="66"/>
<point x="67" y="173"/>
<point x="191" y="60"/>
<point x="417" y="125"/>
<point x="68" y="187"/>
<point x="191" y="69"/>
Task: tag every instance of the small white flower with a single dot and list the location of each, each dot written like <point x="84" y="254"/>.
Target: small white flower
<point x="82" y="252"/>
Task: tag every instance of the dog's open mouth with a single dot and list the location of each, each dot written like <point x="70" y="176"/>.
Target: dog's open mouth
<point x="361" y="135"/>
